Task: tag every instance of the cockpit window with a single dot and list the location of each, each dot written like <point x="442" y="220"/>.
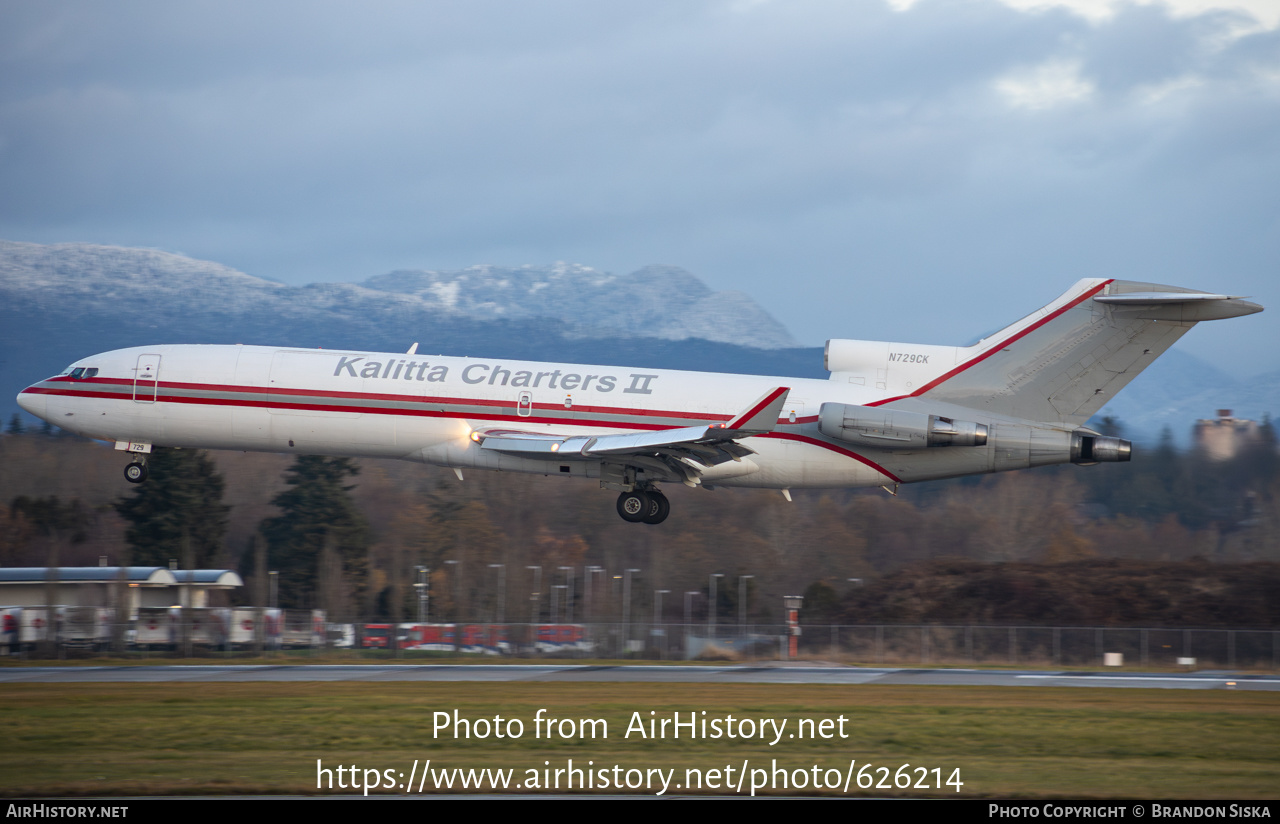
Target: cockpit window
<point x="83" y="373"/>
<point x="77" y="374"/>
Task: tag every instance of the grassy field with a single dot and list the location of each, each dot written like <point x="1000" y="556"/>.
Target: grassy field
<point x="116" y="739"/>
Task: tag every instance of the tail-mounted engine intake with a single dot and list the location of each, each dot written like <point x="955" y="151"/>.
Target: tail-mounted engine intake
<point x="1087" y="448"/>
<point x="885" y="428"/>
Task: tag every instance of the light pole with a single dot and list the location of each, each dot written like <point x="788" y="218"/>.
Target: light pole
<point x="457" y="591"/>
<point x="273" y="595"/>
<point x="535" y="595"/>
<point x="626" y="606"/>
<point x="712" y="606"/>
<point x="742" y="604"/>
<point x="556" y="591"/>
<point x="592" y="611"/>
<point x="688" y="619"/>
<point x="568" y="604"/>
<point x="590" y="575"/>
<point x="502" y="592"/>
<point x="423" y="586"/>
<point x="658" y="627"/>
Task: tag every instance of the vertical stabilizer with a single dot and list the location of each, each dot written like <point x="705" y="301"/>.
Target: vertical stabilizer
<point x="1062" y="363"/>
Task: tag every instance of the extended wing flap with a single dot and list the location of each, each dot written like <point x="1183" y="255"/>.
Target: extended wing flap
<point x="528" y="444"/>
<point x="628" y="442"/>
<point x="533" y="444"/>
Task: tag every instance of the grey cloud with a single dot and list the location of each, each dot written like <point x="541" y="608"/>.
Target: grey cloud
<point x="799" y="151"/>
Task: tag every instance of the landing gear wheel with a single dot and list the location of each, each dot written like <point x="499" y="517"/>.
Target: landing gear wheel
<point x="136" y="472"/>
<point x="659" y="508"/>
<point x="633" y="506"/>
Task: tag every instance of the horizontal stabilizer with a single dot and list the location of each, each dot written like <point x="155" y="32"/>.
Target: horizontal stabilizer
<point x="1162" y="297"/>
<point x="1183" y="307"/>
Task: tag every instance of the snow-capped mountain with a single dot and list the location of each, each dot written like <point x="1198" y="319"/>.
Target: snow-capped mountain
<point x="61" y="302"/>
<point x="658" y="301"/>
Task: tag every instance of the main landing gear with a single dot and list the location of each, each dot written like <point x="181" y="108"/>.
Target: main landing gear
<point x="136" y="471"/>
<point x="647" y="506"/>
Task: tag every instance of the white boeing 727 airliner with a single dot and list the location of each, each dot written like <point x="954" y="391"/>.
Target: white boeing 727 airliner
<point x="890" y="413"/>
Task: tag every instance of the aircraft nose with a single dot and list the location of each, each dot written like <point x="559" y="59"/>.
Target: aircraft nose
<point x="33" y="403"/>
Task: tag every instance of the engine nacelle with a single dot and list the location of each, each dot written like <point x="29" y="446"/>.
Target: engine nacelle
<point x="1087" y="449"/>
<point x="885" y="428"/>
<point x="894" y="368"/>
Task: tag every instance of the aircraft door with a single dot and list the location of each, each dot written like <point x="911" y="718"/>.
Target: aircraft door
<point x="524" y="406"/>
<point x="146" y="377"/>
<point x="253" y="368"/>
<point x="293" y="420"/>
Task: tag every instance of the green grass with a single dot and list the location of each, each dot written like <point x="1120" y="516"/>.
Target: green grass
<point x="222" y="738"/>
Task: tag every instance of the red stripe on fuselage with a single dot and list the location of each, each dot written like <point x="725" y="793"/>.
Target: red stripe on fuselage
<point x="840" y="450"/>
<point x="338" y="395"/>
<point x="160" y="397"/>
<point x="416" y="413"/>
<point x="428" y="413"/>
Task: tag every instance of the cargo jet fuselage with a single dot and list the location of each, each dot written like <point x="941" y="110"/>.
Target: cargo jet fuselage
<point x="890" y="413"/>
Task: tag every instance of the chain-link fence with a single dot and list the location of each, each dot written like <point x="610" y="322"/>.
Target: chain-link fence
<point x="899" y="645"/>
<point x="66" y="632"/>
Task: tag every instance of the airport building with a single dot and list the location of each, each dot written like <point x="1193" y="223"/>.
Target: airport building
<point x="1224" y="437"/>
<point x="101" y="586"/>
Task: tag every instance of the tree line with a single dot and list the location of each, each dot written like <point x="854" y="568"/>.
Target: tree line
<point x="348" y="535"/>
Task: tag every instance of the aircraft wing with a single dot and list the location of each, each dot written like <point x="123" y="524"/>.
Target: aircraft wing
<point x="681" y="453"/>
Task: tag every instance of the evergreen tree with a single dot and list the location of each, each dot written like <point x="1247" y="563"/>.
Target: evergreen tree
<point x="183" y="492"/>
<point x="15" y="425"/>
<point x="821" y="603"/>
<point x="52" y="517"/>
<point x="1260" y="462"/>
<point x="317" y="517"/>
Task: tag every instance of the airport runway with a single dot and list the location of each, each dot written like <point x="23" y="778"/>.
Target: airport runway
<point x="1206" y="680"/>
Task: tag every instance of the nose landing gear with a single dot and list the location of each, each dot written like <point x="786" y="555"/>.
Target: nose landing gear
<point x="135" y="472"/>
<point x="647" y="506"/>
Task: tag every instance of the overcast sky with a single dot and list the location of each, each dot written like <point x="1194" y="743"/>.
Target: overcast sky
<point x="923" y="171"/>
